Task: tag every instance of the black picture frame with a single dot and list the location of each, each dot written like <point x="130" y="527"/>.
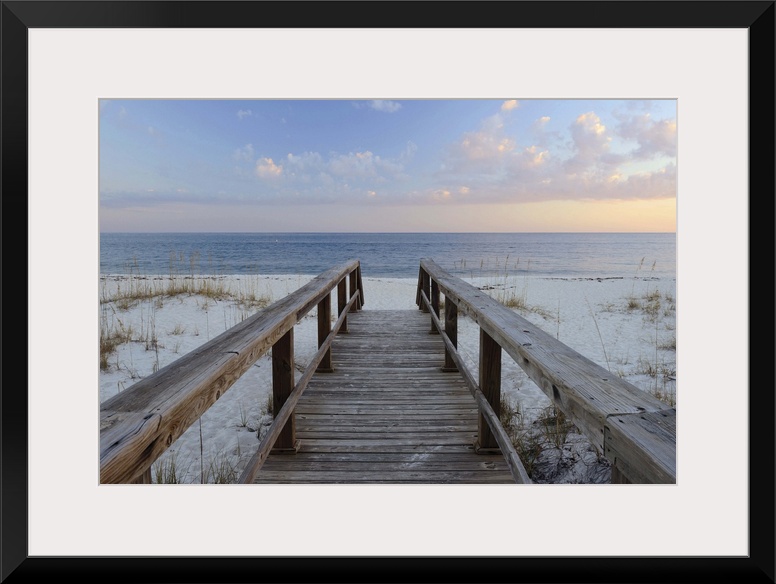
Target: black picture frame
<point x="756" y="16"/>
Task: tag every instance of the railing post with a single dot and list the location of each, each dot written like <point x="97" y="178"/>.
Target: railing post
<point x="617" y="477"/>
<point x="144" y="479"/>
<point x="490" y="385"/>
<point x="425" y="288"/>
<point x="342" y="300"/>
<point x="451" y="330"/>
<point x="418" y="301"/>
<point x="353" y="288"/>
<point x="360" y="288"/>
<point x="282" y="386"/>
<point x="434" y="305"/>
<point x="324" y="328"/>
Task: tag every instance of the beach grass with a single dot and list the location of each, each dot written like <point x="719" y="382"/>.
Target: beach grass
<point x="221" y="470"/>
<point x="168" y="470"/>
<point x="550" y="446"/>
<point x="267" y="407"/>
<point x="527" y="443"/>
<point x="508" y="284"/>
<point x="150" y="294"/>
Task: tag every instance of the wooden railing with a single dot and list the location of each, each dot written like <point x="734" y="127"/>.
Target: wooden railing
<point x="635" y="431"/>
<point x="139" y="424"/>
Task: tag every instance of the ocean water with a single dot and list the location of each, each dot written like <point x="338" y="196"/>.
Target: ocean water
<point x="395" y="255"/>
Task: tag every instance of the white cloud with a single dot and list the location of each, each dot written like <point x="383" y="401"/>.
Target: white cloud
<point x="481" y="151"/>
<point x="653" y="137"/>
<point x="352" y="165"/>
<point x="591" y="123"/>
<point x="266" y="168"/>
<point x="360" y="164"/>
<point x="441" y="195"/>
<point x="533" y="156"/>
<point x="310" y="175"/>
<point x="510" y="104"/>
<point x="540" y="123"/>
<point x="305" y="164"/>
<point x="244" y="114"/>
<point x="383" y="105"/>
<point x="495" y="167"/>
<point x="591" y="142"/>
<point x="542" y="136"/>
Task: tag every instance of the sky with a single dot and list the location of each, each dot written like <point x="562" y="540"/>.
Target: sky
<point x="342" y="165"/>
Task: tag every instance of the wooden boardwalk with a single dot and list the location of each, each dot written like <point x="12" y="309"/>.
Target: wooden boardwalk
<point x="387" y="413"/>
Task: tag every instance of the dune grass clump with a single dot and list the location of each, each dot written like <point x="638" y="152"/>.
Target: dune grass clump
<point x="652" y="303"/>
<point x="527" y="443"/>
<point x="267" y="407"/>
<point x="185" y="278"/>
<point x="551" y="447"/>
<point x="243" y="412"/>
<point x="668" y="344"/>
<point x="519" y="302"/>
<point x="178" y="329"/>
<point x="658" y="309"/>
<point x="210" y="287"/>
<point x="632" y="304"/>
<point x="665" y="395"/>
<point x="221" y="470"/>
<point x="134" y="289"/>
<point x="507" y="291"/>
<point x="113" y="334"/>
<point x="167" y="470"/>
<point x="555" y="427"/>
<point x="110" y="340"/>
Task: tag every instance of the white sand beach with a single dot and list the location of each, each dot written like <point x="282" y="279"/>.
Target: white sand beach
<point x="626" y="325"/>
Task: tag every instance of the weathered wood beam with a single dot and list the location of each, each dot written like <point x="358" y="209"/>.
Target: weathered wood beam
<point x="286" y="413"/>
<point x="490" y="385"/>
<point x="583" y="390"/>
<point x="485" y="409"/>
<point x="282" y="386"/>
<point x="139" y="424"/>
<point x="324" y="328"/>
<point x="451" y="330"/>
<point x="434" y="304"/>
<point x="342" y="301"/>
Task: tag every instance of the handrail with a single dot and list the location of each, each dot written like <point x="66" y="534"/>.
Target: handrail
<point x="634" y="430"/>
<point x="507" y="448"/>
<point x="285" y="413"/>
<point x="139" y="424"/>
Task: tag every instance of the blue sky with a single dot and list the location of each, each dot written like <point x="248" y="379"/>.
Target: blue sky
<point x="387" y="165"/>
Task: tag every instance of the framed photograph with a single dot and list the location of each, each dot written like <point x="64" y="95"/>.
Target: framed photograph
<point x="62" y="60"/>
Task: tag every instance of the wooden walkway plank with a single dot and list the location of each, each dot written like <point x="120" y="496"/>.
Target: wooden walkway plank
<point x="387" y="413"/>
